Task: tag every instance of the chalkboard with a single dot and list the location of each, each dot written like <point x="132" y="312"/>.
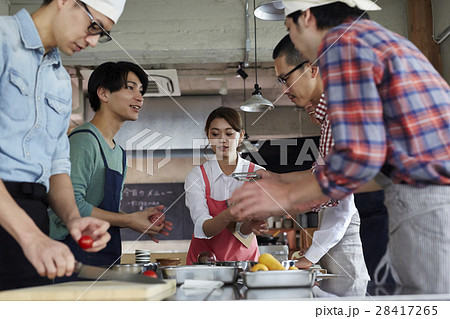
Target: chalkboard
<point x="137" y="197"/>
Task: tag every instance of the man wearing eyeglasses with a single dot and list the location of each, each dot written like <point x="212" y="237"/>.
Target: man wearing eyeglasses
<point x="336" y="243"/>
<point x="35" y="106"/>
<point x="389" y="109"/>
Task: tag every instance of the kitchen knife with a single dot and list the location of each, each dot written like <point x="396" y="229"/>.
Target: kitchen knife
<point x="99" y="273"/>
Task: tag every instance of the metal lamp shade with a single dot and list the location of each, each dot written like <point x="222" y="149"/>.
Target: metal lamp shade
<point x="256" y="104"/>
<point x="271" y="11"/>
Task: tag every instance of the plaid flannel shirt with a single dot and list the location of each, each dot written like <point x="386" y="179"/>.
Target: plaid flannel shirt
<point x="389" y="110"/>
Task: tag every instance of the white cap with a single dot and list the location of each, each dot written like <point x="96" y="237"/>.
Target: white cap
<point x="291" y="6"/>
<point x="109" y="8"/>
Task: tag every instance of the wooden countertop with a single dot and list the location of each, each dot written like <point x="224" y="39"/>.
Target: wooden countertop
<point x="93" y="290"/>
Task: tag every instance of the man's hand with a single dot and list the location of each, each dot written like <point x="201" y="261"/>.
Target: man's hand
<point x="49" y="257"/>
<point x="266" y="175"/>
<point x="264" y="198"/>
<point x="260" y="200"/>
<point x="151" y="221"/>
<point x="303" y="263"/>
<point x="141" y="223"/>
<point x="94" y="227"/>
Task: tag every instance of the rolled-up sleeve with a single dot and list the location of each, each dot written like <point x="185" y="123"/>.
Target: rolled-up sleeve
<point x="196" y="201"/>
<point x="61" y="156"/>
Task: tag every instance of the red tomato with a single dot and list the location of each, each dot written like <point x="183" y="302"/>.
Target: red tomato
<point x="85" y="242"/>
<point x="150" y="273"/>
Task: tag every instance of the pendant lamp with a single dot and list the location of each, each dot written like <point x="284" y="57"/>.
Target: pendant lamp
<point x="256" y="103"/>
<point x="270" y="11"/>
<point x="246" y="145"/>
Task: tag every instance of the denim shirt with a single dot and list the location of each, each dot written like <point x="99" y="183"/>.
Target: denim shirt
<point x="35" y="105"/>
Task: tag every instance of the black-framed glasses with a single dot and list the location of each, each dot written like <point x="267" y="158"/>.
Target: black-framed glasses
<point x="282" y="79"/>
<point x="95" y="28"/>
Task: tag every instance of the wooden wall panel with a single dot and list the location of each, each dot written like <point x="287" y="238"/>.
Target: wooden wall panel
<point x="420" y="30"/>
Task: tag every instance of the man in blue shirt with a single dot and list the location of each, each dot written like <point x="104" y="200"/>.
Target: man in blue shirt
<point x="35" y="106"/>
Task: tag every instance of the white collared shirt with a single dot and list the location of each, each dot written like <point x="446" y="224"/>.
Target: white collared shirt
<point x="334" y="224"/>
<point x="222" y="187"/>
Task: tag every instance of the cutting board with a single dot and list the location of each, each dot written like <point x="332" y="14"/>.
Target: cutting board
<point x="91" y="290"/>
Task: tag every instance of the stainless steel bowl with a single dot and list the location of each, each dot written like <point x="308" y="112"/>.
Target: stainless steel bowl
<point x="129" y="268"/>
<point x="135" y="268"/>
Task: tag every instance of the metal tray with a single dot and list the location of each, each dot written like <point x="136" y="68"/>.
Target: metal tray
<point x="279" y="278"/>
<point x="227" y="275"/>
<point x="284" y="293"/>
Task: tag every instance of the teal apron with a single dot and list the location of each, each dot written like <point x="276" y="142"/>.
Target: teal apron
<point x="111" y="202"/>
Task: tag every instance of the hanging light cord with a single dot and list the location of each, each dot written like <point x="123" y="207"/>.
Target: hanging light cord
<point x="245" y="113"/>
<point x="245" y="95"/>
<point x="254" y="24"/>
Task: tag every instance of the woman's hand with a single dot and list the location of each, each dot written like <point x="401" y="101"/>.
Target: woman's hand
<point x="258" y="227"/>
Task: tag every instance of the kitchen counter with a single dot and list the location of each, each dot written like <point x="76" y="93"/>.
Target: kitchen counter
<point x="331" y="288"/>
<point x="326" y="288"/>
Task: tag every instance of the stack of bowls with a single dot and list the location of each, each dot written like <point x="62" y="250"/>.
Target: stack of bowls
<point x="142" y="256"/>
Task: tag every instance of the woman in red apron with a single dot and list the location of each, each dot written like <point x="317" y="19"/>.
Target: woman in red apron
<point x="210" y="185"/>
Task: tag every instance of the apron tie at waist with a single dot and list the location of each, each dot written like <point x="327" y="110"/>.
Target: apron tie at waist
<point x="385" y="263"/>
<point x="26" y="190"/>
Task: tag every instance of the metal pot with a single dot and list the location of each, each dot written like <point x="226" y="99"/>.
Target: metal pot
<point x="242" y="265"/>
<point x="135" y="268"/>
<point x="129" y="268"/>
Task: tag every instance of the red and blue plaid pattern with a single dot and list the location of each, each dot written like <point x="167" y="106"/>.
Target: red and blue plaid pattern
<point x="325" y="144"/>
<point x="389" y="110"/>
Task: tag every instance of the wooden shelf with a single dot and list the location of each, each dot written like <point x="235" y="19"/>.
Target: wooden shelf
<point x="305" y="236"/>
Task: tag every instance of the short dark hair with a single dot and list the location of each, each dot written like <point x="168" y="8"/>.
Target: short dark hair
<point x="331" y="15"/>
<point x="46" y="2"/>
<point x="228" y="114"/>
<point x="113" y="76"/>
<point x="287" y="49"/>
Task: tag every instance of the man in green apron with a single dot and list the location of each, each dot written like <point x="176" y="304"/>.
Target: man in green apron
<point x="99" y="164"/>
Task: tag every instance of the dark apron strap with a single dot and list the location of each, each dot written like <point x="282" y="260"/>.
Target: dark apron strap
<point x="112" y="251"/>
<point x="99" y="145"/>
